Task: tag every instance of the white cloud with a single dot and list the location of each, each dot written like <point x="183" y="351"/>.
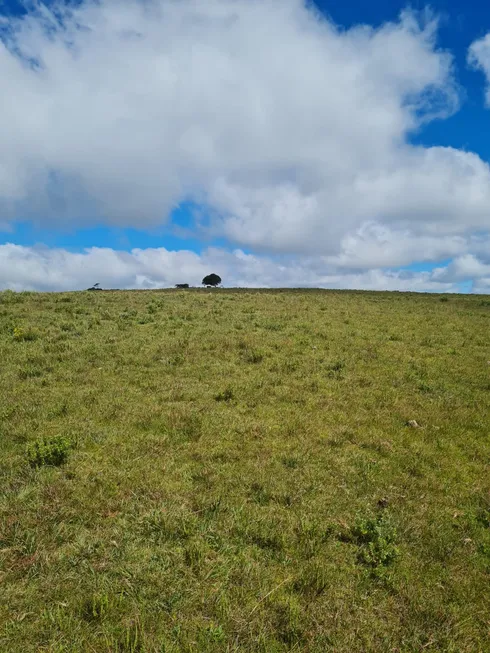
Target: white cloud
<point x="377" y="245"/>
<point x="464" y="268"/>
<point x="293" y="132"/>
<point x="482" y="286"/>
<point x="479" y="57"/>
<point x="25" y="268"/>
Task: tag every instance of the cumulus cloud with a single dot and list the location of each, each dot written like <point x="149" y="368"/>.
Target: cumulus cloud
<point x="293" y="133"/>
<point x="377" y="245"/>
<point x="41" y="268"/>
<point x="479" y="57"/>
<point x="463" y="268"/>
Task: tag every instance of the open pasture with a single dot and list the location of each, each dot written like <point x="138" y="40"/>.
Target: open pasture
<point x="220" y="471"/>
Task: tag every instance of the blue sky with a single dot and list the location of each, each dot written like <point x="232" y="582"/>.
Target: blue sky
<point x="407" y="209"/>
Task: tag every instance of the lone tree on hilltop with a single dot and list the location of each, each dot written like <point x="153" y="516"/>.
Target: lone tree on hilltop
<point x="211" y="280"/>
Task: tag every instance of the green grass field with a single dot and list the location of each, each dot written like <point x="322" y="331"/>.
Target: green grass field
<point x="234" y="471"/>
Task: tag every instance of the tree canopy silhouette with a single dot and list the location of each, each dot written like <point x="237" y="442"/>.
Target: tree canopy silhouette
<point x="211" y="280"/>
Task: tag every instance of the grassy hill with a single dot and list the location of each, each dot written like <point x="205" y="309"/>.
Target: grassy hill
<point x="235" y="471"/>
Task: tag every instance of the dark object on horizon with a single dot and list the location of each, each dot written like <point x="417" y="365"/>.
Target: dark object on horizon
<point x="211" y="280"/>
<point x="96" y="286"/>
<point x="181" y="285"/>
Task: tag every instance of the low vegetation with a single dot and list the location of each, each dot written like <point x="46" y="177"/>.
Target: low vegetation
<point x="48" y="451"/>
<point x="266" y="471"/>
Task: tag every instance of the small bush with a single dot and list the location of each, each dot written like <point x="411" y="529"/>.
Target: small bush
<point x="23" y="335"/>
<point x="376" y="537"/>
<point x="48" y="451"/>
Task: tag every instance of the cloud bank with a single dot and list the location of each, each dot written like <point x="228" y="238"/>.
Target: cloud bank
<point x="41" y="268"/>
<point x="293" y="134"/>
